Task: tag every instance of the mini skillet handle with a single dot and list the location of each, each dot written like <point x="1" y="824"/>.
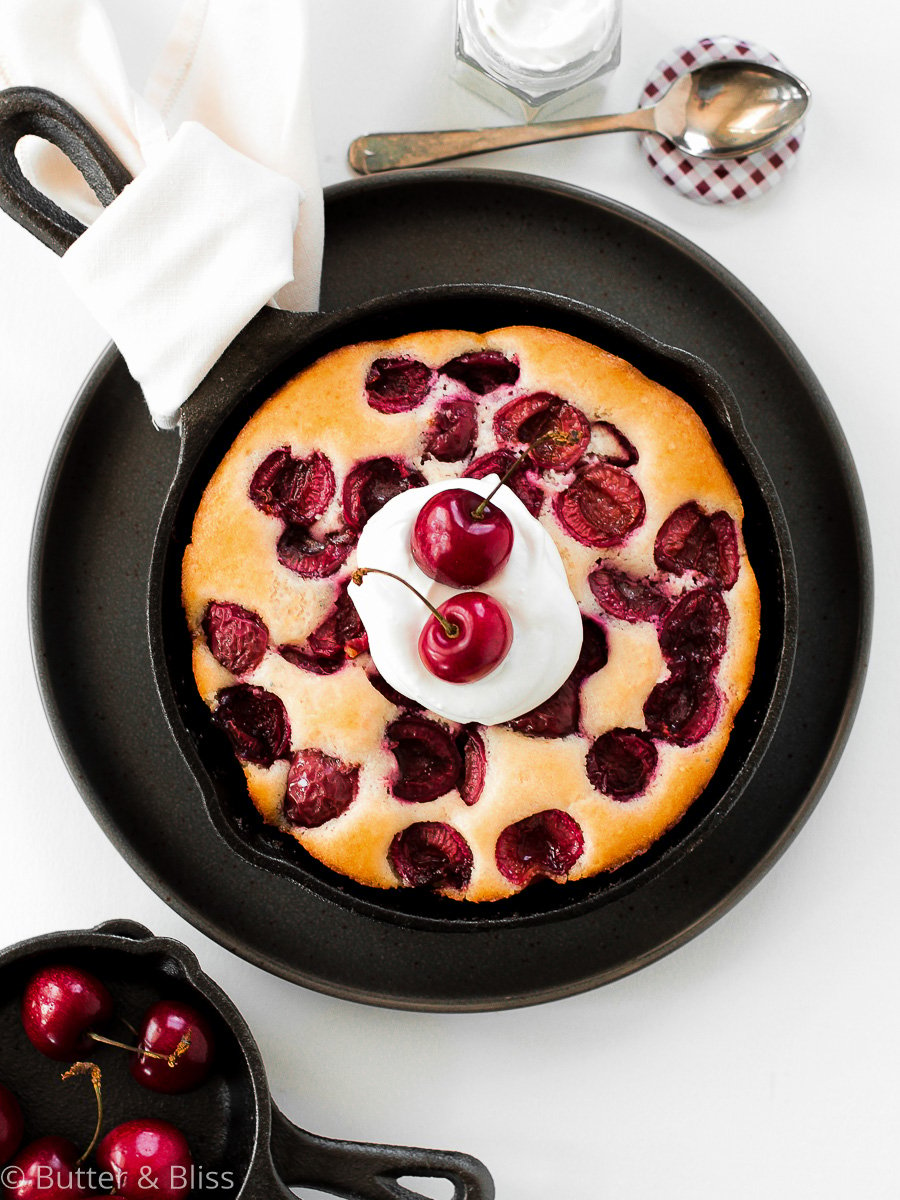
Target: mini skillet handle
<point x="27" y="110"/>
<point x="362" y="1171"/>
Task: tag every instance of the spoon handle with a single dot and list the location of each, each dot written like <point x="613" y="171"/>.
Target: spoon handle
<point x="385" y="151"/>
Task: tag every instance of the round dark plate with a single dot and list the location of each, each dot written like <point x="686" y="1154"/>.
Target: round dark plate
<point x="106" y="487"/>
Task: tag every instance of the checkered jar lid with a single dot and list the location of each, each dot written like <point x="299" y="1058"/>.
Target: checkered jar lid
<point x="711" y="181"/>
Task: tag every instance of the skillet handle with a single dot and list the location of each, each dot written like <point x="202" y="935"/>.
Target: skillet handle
<point x="28" y="110"/>
<point x="363" y="1171"/>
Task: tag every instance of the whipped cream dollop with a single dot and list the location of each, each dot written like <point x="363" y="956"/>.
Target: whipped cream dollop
<point x="532" y="586"/>
<point x="546" y="35"/>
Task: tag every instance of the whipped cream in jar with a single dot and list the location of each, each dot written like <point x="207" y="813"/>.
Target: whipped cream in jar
<point x="533" y="55"/>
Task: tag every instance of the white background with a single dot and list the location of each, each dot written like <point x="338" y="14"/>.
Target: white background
<point x="760" y="1060"/>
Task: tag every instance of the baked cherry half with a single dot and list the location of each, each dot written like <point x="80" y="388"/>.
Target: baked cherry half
<point x="621" y="763"/>
<point x="237" y="637"/>
<point x="428" y="762"/>
<point x="396" y="385"/>
<point x="546" y="843"/>
<point x="601" y="506"/>
<point x="296" y="489"/>
<point x="472" y="640"/>
<point x="523" y="420"/>
<point x="370" y="484"/>
<point x="255" y="721"/>
<point x="431" y="854"/>
<point x="482" y="371"/>
<point x="319" y="788"/>
<point x="451" y="433"/>
<point x="460" y="539"/>
<point x="691" y="539"/>
<point x="683" y="708"/>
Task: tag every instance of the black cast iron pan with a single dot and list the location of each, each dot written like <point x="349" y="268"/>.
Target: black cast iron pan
<point x="243" y="1147"/>
<point x="274" y="346"/>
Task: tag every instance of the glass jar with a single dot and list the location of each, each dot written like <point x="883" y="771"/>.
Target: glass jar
<point x="536" y="56"/>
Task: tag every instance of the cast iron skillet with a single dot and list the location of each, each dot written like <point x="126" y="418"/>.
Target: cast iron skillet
<point x="240" y="1141"/>
<point x="276" y="345"/>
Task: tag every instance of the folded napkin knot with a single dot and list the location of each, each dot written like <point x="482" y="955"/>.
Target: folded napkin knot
<point x="224" y="213"/>
<point x="186" y="254"/>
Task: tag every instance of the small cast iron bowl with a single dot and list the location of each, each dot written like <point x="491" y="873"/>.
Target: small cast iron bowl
<point x="272" y="348"/>
<point x="243" y="1147"/>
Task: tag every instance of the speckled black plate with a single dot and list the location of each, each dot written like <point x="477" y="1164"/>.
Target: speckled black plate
<point x="107" y="485"/>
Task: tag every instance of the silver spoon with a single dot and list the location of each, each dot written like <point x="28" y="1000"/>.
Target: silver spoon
<point x="721" y="110"/>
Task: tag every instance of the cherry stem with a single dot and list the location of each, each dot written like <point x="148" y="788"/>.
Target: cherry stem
<point x="449" y="627"/>
<point x="171" y="1059"/>
<point x="89" y="1068"/>
<point x="549" y="435"/>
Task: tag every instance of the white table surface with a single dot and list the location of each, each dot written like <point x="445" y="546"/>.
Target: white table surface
<point x="760" y="1060"/>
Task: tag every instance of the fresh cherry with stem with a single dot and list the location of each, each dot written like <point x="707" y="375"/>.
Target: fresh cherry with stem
<point x="147" y="1158"/>
<point x="12" y="1125"/>
<point x="48" y="1168"/>
<point x="459" y="538"/>
<point x="175" y="1048"/>
<point x="467" y="636"/>
<point x="61" y="1005"/>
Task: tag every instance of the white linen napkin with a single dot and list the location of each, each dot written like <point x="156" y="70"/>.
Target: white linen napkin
<point x="225" y="212"/>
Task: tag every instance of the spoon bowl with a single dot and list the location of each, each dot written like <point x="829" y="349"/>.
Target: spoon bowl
<point x="726" y="109"/>
<point x="719" y="110"/>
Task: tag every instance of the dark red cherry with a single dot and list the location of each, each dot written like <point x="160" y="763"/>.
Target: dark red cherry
<point x="523" y="482"/>
<point x="396" y="385"/>
<point x="255" y="721"/>
<point x="340" y="637"/>
<point x="454" y="546"/>
<point x="370" y="485"/>
<point x="696" y="628"/>
<point x="693" y="540"/>
<point x="428" y="763"/>
<point x="621" y="763"/>
<point x="524" y="419"/>
<point x="46" y="1169"/>
<point x="12" y="1125"/>
<point x="310" y="558"/>
<point x="474" y="766"/>
<point x="557" y="716"/>
<point x="61" y="1005"/>
<point x="482" y="371"/>
<point x="594" y="653"/>
<point x="601" y="506"/>
<point x="383" y="688"/>
<point x="431" y="854"/>
<point x="147" y="1158"/>
<point x="451" y="432"/>
<point x="319" y="788"/>
<point x="482" y="641"/>
<point x="164" y="1026"/>
<point x="624" y="597"/>
<point x="295" y="489"/>
<point x="683" y="708"/>
<point x="237" y="638"/>
<point x="547" y="843"/>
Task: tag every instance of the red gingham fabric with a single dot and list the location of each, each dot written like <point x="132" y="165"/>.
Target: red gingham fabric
<point x="709" y="181"/>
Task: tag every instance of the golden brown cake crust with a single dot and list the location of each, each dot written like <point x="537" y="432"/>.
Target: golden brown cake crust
<point x="233" y="559"/>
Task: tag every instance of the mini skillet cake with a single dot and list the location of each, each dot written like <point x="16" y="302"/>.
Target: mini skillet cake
<point x="647" y="522"/>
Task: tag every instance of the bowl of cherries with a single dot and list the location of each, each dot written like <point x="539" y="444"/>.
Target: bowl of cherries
<point x="181" y="1101"/>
